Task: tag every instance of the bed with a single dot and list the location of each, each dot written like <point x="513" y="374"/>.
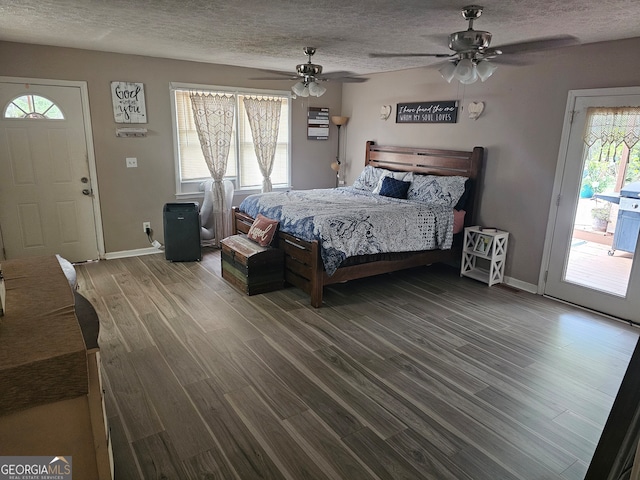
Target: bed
<point x="305" y="257"/>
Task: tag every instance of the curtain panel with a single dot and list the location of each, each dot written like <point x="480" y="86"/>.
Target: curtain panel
<point x="264" y="119"/>
<point x="612" y="126"/>
<point x="213" y="116"/>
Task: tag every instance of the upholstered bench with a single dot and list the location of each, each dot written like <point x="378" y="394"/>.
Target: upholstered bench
<point x="251" y="267"/>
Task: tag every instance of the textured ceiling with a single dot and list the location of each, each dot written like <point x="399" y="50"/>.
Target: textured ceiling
<point x="270" y="34"/>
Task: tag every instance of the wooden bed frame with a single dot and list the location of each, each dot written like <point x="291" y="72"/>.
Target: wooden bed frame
<point x="303" y="263"/>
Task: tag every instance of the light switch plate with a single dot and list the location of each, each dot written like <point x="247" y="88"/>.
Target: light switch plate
<point x="132" y="162"/>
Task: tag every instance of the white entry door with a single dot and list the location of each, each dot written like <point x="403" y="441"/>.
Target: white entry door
<point x="47" y="193"/>
<point x="601" y="278"/>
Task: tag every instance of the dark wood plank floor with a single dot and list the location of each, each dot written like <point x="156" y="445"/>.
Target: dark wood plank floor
<point x="418" y="374"/>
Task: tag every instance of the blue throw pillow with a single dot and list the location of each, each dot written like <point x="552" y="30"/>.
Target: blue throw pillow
<point x="394" y="188"/>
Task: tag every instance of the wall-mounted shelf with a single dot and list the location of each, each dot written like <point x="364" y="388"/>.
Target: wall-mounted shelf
<point x="126" y="132"/>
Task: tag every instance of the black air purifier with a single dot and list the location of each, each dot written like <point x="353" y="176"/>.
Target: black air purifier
<point x="182" y="232"/>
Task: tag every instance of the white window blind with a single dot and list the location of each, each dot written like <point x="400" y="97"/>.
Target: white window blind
<point x="242" y="166"/>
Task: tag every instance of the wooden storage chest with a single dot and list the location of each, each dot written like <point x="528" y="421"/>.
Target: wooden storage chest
<point x="250" y="267"/>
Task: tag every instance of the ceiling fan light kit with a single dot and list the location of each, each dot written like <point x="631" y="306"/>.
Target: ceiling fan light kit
<point x="300" y="89"/>
<point x="467" y="71"/>
<point x="316" y="90"/>
<point x="485" y="70"/>
<point x="311" y="88"/>
<point x="447" y="71"/>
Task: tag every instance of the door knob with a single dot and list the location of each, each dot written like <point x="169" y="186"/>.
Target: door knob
<point x="86" y="191"/>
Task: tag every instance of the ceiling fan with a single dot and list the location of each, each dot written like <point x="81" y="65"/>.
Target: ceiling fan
<point x="310" y="74"/>
<point x="472" y="50"/>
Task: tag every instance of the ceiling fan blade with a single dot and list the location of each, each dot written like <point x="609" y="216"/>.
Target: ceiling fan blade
<point x="536" y="45"/>
<point x="342" y="76"/>
<point x="337" y="74"/>
<point x="391" y="55"/>
<point x="350" y="79"/>
<point x="290" y="77"/>
<point x="276" y="75"/>
<point x="281" y="73"/>
<point x="510" y="60"/>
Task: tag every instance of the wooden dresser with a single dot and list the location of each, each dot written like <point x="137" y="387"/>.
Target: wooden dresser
<point x="51" y="397"/>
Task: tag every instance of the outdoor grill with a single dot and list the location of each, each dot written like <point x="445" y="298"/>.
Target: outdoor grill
<point x="625" y="236"/>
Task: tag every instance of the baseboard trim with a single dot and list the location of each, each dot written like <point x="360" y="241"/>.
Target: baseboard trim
<point x="520" y="285"/>
<point x="632" y="323"/>
<point x="131" y="253"/>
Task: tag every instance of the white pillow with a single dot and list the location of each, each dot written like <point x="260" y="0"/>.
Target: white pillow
<point x="441" y="190"/>
<point x="368" y="178"/>
<point x="404" y="176"/>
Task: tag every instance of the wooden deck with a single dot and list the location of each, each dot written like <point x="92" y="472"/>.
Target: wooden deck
<point x="591" y="265"/>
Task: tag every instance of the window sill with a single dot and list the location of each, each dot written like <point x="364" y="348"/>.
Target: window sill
<point x="239" y="192"/>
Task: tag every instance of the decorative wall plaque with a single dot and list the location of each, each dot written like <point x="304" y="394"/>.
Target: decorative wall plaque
<point x="427" y="112"/>
<point x="318" y="123"/>
<point x="128" y="102"/>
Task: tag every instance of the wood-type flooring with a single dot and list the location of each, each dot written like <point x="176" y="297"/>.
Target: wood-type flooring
<point x="418" y="374"/>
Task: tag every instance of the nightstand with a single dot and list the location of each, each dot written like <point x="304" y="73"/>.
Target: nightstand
<point x="484" y="253"/>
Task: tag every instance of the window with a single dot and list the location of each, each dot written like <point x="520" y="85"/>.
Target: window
<point x="242" y="166"/>
<point x="33" y="106"/>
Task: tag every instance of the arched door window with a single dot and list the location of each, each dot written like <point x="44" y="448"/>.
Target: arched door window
<point x="33" y="106"/>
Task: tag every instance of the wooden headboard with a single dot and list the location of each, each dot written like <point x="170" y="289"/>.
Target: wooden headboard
<point x="430" y="161"/>
<point x="425" y="160"/>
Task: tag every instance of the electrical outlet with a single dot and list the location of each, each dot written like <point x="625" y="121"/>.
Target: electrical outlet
<point x="146" y="225"/>
<point x="132" y="162"/>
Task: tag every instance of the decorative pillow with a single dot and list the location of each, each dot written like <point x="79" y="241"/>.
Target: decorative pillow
<point x="262" y="230"/>
<point x="441" y="190"/>
<point x="368" y="178"/>
<point x="464" y="199"/>
<point x="394" y="188"/>
<point x="458" y="220"/>
<point x="404" y="176"/>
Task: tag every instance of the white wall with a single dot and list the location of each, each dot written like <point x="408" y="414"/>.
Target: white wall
<point x="130" y="196"/>
<point x="520" y="130"/>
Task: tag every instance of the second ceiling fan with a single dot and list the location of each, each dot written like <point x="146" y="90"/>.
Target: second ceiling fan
<point x="472" y="53"/>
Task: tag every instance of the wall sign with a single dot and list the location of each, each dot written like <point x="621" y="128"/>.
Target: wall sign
<point x="427" y="112"/>
<point x="128" y="102"/>
<point x="318" y="123"/>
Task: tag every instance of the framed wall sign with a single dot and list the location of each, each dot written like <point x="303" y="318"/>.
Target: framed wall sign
<point x="128" y="102"/>
<point x="318" y="123"/>
<point x="427" y="112"/>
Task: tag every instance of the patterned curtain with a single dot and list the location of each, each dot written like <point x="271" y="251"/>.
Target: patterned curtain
<point x="264" y="119"/>
<point x="213" y="116"/>
<point x="612" y="126"/>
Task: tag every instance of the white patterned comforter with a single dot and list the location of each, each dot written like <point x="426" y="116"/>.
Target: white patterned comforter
<point x="349" y="222"/>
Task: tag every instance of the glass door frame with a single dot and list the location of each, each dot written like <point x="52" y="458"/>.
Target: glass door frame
<point x="557" y="200"/>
